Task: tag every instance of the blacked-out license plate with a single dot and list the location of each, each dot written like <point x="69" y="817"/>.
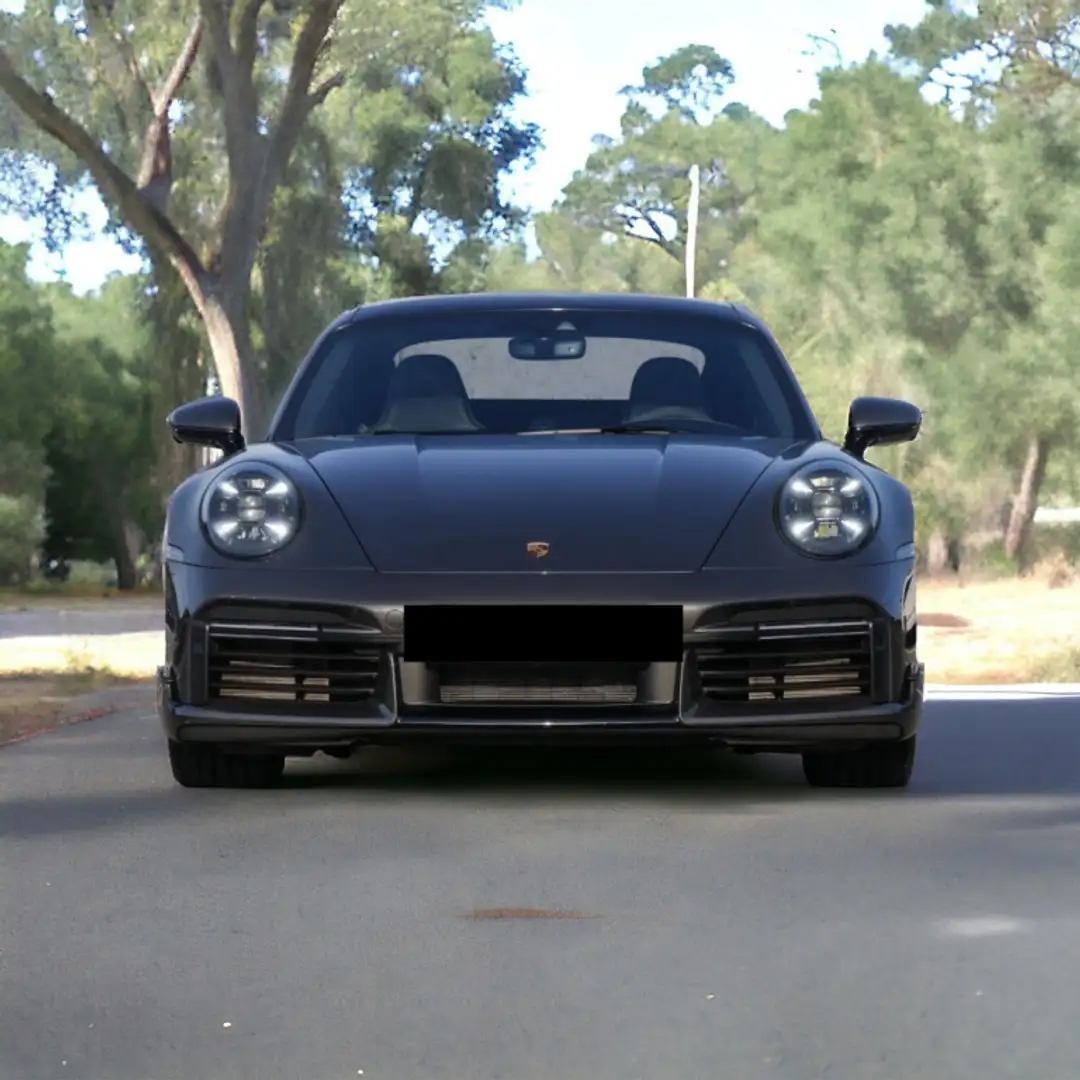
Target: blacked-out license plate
<point x="543" y="633"/>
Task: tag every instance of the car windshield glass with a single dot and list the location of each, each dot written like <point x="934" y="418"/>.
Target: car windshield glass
<point x="531" y="372"/>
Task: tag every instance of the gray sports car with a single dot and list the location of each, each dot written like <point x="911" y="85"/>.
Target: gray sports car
<point x="541" y="518"/>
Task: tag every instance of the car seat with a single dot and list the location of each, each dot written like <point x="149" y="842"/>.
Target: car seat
<point x="427" y="393"/>
<point x="666" y="386"/>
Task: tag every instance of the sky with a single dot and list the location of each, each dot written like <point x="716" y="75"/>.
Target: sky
<point x="579" y="54"/>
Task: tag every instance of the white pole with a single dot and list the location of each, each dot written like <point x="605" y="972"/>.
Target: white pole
<point x="691" y="228"/>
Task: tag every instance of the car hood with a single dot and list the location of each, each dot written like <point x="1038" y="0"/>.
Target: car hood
<point x="601" y="503"/>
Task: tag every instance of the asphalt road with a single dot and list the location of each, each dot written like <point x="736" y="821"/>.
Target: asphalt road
<point x="743" y="926"/>
<point x="80" y="620"/>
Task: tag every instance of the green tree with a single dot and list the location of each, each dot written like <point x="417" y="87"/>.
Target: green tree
<point x="1019" y="62"/>
<point x="27" y="374"/>
<point x="189" y="119"/>
<point x="101" y="499"/>
<point x="1027" y="48"/>
<point x="28" y="377"/>
<point x="874" y="259"/>
<point x="636" y="185"/>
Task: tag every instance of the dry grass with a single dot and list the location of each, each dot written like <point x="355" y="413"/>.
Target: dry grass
<point x="125" y="656"/>
<point x="35" y="701"/>
<point x="1017" y="630"/>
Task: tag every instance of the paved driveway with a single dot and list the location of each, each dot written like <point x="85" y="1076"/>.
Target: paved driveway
<point x="741" y="925"/>
<point x="81" y="619"/>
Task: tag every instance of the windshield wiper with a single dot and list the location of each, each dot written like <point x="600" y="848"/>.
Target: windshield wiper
<point x="433" y="431"/>
<point x="649" y="428"/>
<point x="690" y="426"/>
<point x="618" y="429"/>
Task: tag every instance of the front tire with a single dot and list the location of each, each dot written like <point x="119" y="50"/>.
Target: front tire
<point x="888" y="765"/>
<point x="197" y="765"/>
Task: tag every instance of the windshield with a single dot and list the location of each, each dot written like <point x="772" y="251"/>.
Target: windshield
<point x="523" y="372"/>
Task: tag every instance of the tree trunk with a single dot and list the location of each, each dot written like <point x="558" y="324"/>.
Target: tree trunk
<point x="224" y="314"/>
<point x="937" y="554"/>
<point x="955" y="551"/>
<point x="1018" y="531"/>
<point x="125" y="565"/>
<point x="257" y="163"/>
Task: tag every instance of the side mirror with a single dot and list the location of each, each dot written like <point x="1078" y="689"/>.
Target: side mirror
<point x="210" y="421"/>
<point x="875" y="421"/>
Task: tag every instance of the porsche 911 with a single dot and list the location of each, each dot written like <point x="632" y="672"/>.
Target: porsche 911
<point x="541" y="519"/>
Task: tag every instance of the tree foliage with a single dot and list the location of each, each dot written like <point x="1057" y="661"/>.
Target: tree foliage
<point x="192" y="118"/>
<point x="78" y="421"/>
<point x="635" y="185"/>
<point x="100" y="498"/>
<point x="27" y="374"/>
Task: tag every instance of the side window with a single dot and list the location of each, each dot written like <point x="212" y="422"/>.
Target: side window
<point x="761" y="371"/>
<point x="317" y="412"/>
<point x="742" y="388"/>
<point x="349" y="390"/>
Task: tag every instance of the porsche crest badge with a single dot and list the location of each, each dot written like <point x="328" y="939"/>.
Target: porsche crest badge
<point x="538" y="548"/>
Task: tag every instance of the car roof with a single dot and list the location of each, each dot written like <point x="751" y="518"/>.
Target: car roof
<point x="553" y="301"/>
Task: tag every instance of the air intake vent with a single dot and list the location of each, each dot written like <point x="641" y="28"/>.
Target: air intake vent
<point x="283" y="665"/>
<point x="795" y="663"/>
<point x="537" y="684"/>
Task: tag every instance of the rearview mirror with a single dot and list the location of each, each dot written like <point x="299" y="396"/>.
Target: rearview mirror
<point x="210" y="421"/>
<point x="876" y="421"/>
<point x="561" y="345"/>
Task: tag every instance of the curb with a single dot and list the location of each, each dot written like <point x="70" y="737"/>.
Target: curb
<point x="1000" y="691"/>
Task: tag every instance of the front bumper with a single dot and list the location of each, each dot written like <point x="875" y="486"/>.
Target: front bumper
<point x="791" y="732"/>
<point x="776" y="700"/>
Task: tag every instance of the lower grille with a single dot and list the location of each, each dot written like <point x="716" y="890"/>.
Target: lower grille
<point x="795" y="663"/>
<point x="268" y="666"/>
<point x="537" y="684"/>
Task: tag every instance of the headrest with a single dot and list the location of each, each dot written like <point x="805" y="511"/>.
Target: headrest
<point x="668" y="380"/>
<point x="426" y="375"/>
<point x="427" y="394"/>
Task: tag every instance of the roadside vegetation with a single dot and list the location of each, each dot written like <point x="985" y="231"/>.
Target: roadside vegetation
<point x="88" y="582"/>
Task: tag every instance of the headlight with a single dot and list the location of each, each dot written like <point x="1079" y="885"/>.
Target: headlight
<point x="251" y="510"/>
<point x="828" y="510"/>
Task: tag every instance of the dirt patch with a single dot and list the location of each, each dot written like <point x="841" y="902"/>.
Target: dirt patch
<point x="943" y="622"/>
<point x="525" y="913"/>
<point x="36" y="702"/>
